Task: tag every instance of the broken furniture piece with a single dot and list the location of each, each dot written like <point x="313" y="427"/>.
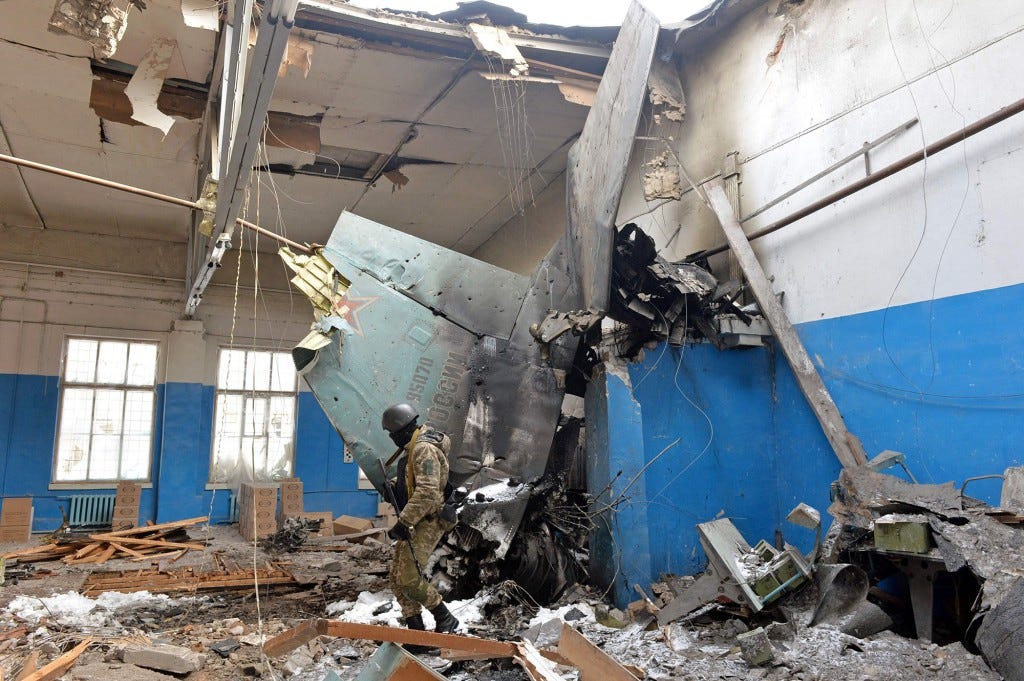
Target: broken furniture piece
<point x="752" y="577"/>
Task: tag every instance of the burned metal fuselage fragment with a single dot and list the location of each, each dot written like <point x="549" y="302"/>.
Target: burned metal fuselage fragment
<point x="402" y="319"/>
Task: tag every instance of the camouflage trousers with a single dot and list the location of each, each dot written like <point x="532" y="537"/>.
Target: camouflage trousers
<point x="408" y="585"/>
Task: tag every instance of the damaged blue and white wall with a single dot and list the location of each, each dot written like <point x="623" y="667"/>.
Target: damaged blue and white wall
<point x="41" y="305"/>
<point x="907" y="295"/>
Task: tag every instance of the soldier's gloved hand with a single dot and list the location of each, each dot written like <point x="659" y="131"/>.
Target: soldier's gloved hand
<point x="400" y="532"/>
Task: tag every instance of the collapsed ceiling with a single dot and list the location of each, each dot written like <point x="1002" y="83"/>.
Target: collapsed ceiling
<point x="402" y="119"/>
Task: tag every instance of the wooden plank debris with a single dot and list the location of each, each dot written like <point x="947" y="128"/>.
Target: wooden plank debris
<point x="185" y="579"/>
<point x="288" y="641"/>
<point x="534" y="664"/>
<point x="29" y="666"/>
<point x="150" y="542"/>
<point x="594" y="664"/>
<point x="573" y="649"/>
<point x="61" y="665"/>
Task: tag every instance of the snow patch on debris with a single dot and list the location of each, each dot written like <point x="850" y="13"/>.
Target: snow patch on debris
<point x="382" y="608"/>
<point x="72" y="609"/>
<point x="574" y="613"/>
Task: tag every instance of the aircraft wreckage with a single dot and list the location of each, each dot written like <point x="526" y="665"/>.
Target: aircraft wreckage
<point x="488" y="355"/>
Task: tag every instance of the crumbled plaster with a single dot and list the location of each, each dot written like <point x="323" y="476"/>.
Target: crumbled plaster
<point x="97" y="22"/>
<point x="662" y="181"/>
<point x="665" y="92"/>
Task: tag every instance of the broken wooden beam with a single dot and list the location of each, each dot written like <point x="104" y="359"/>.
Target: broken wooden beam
<point x="288" y="641"/>
<point x="845" y="444"/>
<point x="61" y="665"/>
<point x="185" y="579"/>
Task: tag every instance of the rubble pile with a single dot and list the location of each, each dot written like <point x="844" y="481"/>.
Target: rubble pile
<point x="840" y="612"/>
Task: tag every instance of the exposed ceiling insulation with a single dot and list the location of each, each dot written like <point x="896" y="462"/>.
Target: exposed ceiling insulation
<point x="382" y="94"/>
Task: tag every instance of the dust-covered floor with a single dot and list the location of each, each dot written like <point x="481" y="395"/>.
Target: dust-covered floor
<point x="220" y="634"/>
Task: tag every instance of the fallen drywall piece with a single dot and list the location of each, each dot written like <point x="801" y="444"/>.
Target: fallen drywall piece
<point x="97" y="22"/>
<point x="495" y="42"/>
<point x="145" y="86"/>
<point x="201" y="14"/>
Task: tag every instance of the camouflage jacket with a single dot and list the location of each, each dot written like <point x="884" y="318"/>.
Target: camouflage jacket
<point x="426" y="474"/>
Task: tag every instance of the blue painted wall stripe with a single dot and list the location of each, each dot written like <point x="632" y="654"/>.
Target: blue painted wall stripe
<point x="940" y="381"/>
<point x="182" y="439"/>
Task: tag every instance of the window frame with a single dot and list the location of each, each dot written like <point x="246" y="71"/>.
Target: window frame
<point x="103" y="483"/>
<point x="244" y="392"/>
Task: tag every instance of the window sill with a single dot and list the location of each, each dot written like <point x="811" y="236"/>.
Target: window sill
<point x="217" y="486"/>
<point x="74" y="486"/>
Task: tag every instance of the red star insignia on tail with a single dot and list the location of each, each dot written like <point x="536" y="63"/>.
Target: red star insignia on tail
<point x="349" y="307"/>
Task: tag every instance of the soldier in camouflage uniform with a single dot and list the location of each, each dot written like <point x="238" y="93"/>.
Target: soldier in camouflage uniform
<point x="419" y="522"/>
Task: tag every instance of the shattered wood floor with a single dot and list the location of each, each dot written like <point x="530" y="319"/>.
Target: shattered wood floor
<point x="217" y="635"/>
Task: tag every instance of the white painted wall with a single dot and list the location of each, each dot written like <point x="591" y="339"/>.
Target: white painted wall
<point x="40" y="305"/>
<point x="523" y="241"/>
<point x="849" y="71"/>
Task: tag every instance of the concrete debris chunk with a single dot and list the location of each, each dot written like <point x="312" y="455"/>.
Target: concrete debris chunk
<point x="166" y="658"/>
<point x="297" y="661"/>
<point x="755" y="647"/>
<point x="544" y="635"/>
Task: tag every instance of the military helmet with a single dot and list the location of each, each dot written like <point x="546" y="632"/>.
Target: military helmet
<point x="398" y="416"/>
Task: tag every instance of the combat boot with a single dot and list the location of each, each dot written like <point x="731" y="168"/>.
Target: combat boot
<point x="446" y="622"/>
<point x="416" y="622"/>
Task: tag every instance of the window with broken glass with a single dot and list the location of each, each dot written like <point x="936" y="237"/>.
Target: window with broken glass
<point x="254" y="416"/>
<point x="107" y="395"/>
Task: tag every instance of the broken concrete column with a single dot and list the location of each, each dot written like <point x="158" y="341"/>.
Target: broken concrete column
<point x="166" y="658"/>
<point x="620" y="548"/>
<point x="755" y="647"/>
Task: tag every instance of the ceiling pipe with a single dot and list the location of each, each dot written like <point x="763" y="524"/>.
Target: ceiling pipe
<point x="891" y="169"/>
<point x="166" y="198"/>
